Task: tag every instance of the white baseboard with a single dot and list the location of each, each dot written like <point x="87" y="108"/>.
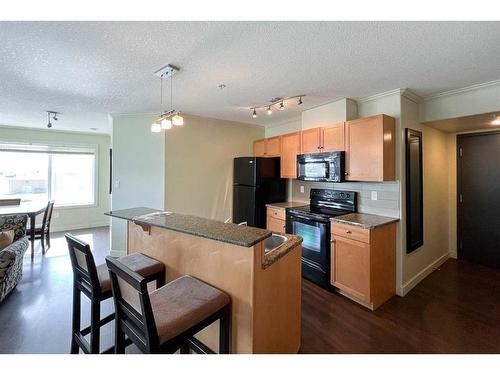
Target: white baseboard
<point x="63" y="228"/>
<point x="410" y="284"/>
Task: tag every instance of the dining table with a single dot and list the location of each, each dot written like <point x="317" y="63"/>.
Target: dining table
<point x="32" y="209"/>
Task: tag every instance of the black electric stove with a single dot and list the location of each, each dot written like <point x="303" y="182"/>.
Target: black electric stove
<point x="312" y="223"/>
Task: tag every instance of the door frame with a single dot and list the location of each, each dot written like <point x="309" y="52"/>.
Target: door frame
<point x="459" y="183"/>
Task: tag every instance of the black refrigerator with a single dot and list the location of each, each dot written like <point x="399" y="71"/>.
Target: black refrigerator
<point x="256" y="182"/>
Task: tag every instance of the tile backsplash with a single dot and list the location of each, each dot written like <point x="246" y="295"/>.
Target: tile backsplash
<point x="387" y="203"/>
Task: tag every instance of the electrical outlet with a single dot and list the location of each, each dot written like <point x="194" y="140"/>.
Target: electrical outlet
<point x="374" y="196"/>
<point x="55" y="214"/>
<point x="117" y="184"/>
<point x="302" y="189"/>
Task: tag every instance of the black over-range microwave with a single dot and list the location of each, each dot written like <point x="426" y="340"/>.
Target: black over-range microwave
<point x="326" y="167"/>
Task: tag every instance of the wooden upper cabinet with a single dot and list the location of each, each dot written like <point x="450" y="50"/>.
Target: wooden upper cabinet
<point x="290" y="148"/>
<point x="310" y="140"/>
<point x="259" y="147"/>
<point x="370" y="149"/>
<point x="333" y="138"/>
<point x="273" y="147"/>
<point x="325" y="139"/>
<point x="267" y="147"/>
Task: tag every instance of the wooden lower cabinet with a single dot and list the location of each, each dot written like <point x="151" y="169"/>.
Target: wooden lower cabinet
<point x="276" y="220"/>
<point x="364" y="263"/>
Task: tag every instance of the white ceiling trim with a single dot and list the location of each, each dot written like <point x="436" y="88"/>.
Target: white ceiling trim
<point x="462" y="90"/>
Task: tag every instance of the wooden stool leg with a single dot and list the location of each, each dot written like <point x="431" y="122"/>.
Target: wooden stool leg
<point x="160" y="281"/>
<point x="95" y="327"/>
<point x="75" y="330"/>
<point x="184" y="349"/>
<point x="225" y="331"/>
<point x="119" y="339"/>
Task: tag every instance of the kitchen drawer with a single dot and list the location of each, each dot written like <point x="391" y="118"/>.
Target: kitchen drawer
<point x="275" y="225"/>
<point x="351" y="231"/>
<point x="276" y="213"/>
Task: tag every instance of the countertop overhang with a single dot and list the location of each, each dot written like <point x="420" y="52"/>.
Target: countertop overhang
<point x="212" y="229"/>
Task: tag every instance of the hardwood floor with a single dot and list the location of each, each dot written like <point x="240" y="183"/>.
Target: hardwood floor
<point x="454" y="310"/>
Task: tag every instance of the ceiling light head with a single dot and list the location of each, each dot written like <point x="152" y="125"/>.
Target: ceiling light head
<point x="300" y="100"/>
<point x="269" y="111"/>
<point x="177" y="120"/>
<point x="155" y="127"/>
<point x="254" y="113"/>
<point x="282" y="106"/>
<point x="496" y="120"/>
<point x="49" y="124"/>
<point x="166" y="124"/>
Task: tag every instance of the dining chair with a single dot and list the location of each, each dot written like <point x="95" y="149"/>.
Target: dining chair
<point x="42" y="231"/>
<point x="166" y="319"/>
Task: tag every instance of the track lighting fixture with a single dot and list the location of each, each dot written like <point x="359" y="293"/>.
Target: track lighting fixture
<point x="280" y="102"/>
<point x="170" y="117"/>
<point x="53" y="115"/>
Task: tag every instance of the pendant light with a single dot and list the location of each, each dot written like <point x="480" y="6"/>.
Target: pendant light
<point x="170" y="117"/>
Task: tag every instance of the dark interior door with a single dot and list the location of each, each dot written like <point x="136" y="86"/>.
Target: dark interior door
<point x="478" y="188"/>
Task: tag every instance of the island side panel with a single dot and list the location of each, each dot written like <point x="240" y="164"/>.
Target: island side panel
<point x="222" y="265"/>
<point x="277" y="303"/>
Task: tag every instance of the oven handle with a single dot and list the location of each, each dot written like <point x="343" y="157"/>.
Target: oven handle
<point x="292" y="215"/>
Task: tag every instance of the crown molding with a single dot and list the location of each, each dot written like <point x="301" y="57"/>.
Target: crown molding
<point x="410" y="95"/>
<point x="379" y="96"/>
<point x="463" y="90"/>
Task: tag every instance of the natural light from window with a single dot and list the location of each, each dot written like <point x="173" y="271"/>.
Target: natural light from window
<point x="66" y="177"/>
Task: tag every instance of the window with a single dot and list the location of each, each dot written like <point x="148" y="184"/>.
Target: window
<point x="44" y="172"/>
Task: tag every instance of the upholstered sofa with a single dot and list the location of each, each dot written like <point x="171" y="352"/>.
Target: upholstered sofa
<point x="11" y="258"/>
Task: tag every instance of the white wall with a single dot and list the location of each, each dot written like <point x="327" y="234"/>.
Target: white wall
<point x="340" y="110"/>
<point x="138" y="167"/>
<point x="72" y="218"/>
<point x="435" y="249"/>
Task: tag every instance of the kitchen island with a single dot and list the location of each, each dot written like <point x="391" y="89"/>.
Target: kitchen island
<point x="261" y="275"/>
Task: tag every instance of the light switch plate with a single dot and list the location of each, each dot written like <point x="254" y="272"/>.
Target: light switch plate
<point x="302" y="188"/>
<point x="117" y="184"/>
<point x="374" y="196"/>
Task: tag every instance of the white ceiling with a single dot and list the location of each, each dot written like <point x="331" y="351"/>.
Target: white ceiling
<point x="87" y="70"/>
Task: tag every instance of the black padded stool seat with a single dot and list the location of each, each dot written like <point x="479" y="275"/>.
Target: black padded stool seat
<point x="142" y="264"/>
<point x="94" y="282"/>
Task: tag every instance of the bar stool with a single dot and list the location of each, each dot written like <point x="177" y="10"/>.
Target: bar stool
<point x="94" y="282"/>
<point x="166" y="319"/>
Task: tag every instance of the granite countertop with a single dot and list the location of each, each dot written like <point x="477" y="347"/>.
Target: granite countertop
<point x="281" y="250"/>
<point x="196" y="226"/>
<point x="366" y="221"/>
<point x="283" y="205"/>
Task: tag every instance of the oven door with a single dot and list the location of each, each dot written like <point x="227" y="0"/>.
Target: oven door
<point x="315" y="244"/>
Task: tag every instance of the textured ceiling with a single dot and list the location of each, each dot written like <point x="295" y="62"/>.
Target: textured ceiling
<point x="87" y="70"/>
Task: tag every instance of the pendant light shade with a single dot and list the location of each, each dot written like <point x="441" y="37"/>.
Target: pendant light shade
<point x="166" y="124"/>
<point x="155" y="127"/>
<point x="178" y="120"/>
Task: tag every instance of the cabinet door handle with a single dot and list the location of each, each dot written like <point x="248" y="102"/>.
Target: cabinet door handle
<point x="347" y="174"/>
<point x="348" y="231"/>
